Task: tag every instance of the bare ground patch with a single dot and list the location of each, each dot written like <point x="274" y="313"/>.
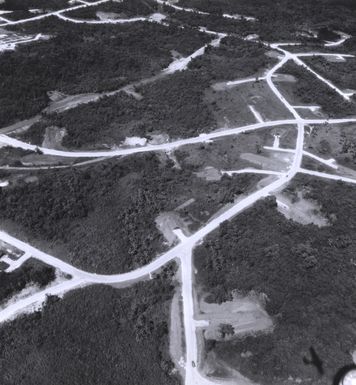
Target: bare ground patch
<point x="300" y="209"/>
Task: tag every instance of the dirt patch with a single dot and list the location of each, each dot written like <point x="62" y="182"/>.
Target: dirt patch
<point x="275" y="161"/>
<point x="45" y="160"/>
<point x="169" y="221"/>
<point x="266" y="181"/>
<point x="71" y="101"/>
<point x="209" y="174"/>
<point x="53" y="137"/>
<point x="231" y="319"/>
<point x="300" y="209"/>
<point x="216" y="368"/>
<point x="20" y="127"/>
<point x="107" y="15"/>
<point x="346" y="172"/>
<point x="284" y="78"/>
<point x="176" y="334"/>
<point x="243" y="315"/>
<point x="273" y="54"/>
<point x="334" y="59"/>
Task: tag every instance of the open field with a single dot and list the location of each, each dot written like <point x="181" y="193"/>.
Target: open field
<point x="232" y="104"/>
<point x="234" y="153"/>
<point x="295" y="207"/>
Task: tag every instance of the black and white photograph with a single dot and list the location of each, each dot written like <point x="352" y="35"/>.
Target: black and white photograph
<point x="177" y="192"/>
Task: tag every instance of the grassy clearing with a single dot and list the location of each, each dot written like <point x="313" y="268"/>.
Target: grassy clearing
<point x="227" y="153"/>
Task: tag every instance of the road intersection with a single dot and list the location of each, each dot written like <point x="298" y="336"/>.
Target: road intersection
<point x="183" y="251"/>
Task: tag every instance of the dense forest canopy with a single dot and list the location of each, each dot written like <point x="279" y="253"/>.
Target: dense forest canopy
<point x="175" y="105"/>
<point x="104" y="216"/>
<point x="31" y="272"/>
<point x="276" y="21"/>
<point x="291" y="264"/>
<point x="95" y="336"/>
<point x="85" y="58"/>
<point x="310" y="91"/>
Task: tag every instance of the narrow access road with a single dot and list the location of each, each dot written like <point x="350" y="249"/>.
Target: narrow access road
<point x="327" y="176"/>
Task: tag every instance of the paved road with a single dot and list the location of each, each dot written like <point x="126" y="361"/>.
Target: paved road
<point x="12" y="142"/>
<point x="327" y="162"/>
<point x="183" y="251"/>
<point x="327" y="176"/>
<point x="343" y="38"/>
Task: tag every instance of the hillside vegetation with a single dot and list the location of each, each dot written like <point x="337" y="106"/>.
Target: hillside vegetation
<point x="307" y="276"/>
<point x="94" y="336"/>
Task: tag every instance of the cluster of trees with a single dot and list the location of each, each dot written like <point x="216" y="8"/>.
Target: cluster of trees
<point x="341" y="74"/>
<point x="233" y="59"/>
<point x="55" y="201"/>
<point x="308" y="89"/>
<point x="284" y="18"/>
<point x="212" y="22"/>
<point x="98" y="336"/>
<point x="35" y="134"/>
<point x="306" y="273"/>
<point x="10" y="156"/>
<point x="85" y="58"/>
<point x="104" y="216"/>
<point x="31" y="272"/>
<point x="349" y="147"/>
<point x="350" y="44"/>
<point x="325" y="33"/>
<point x="174" y="105"/>
<point x="127" y="8"/>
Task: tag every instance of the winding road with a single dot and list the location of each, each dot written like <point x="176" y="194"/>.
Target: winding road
<point x="183" y="251"/>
